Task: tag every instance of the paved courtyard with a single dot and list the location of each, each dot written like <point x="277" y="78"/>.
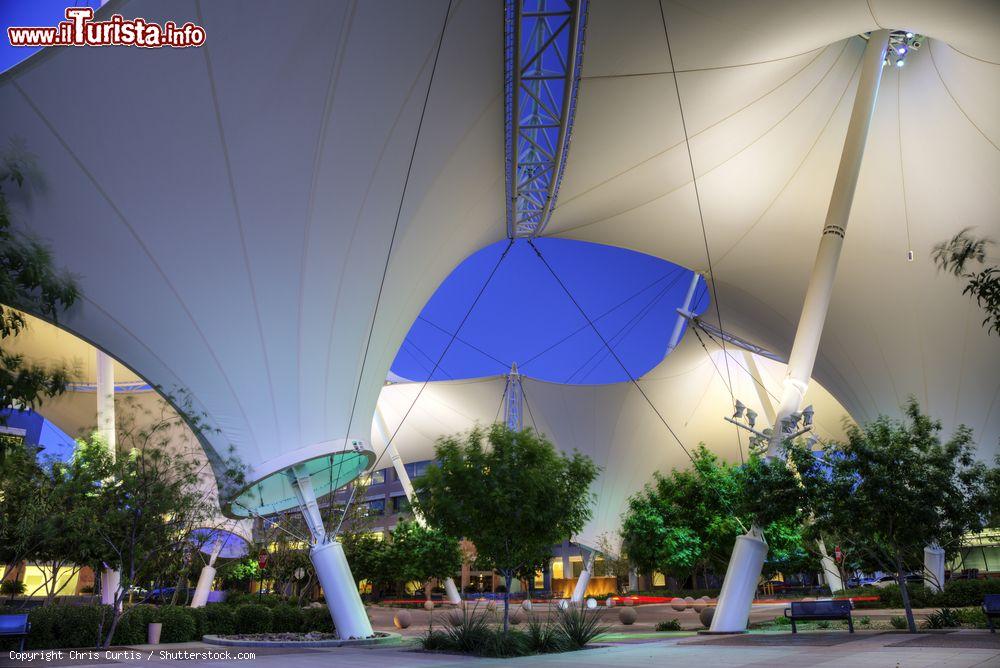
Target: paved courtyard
<point x="958" y="649"/>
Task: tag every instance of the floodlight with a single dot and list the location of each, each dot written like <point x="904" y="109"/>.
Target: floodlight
<point x="793" y="420"/>
<point x="751" y="417"/>
<point x="807" y="414"/>
<point x="738" y="413"/>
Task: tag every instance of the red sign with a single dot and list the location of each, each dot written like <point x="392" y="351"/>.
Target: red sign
<point x="837" y="554"/>
<point x="262" y="559"/>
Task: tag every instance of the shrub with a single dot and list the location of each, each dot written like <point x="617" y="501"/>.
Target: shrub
<point x="945" y="618"/>
<point x="200" y="621"/>
<point x="920" y="596"/>
<point x="55" y="626"/>
<point x="898" y="622"/>
<point x="178" y="624"/>
<point x="972" y="616"/>
<point x="502" y="645"/>
<point x="781" y="620"/>
<point x="286" y="618"/>
<point x="865" y="620"/>
<point x="668" y="625"/>
<point x="220" y="619"/>
<point x="543" y="638"/>
<point x="253" y="618"/>
<point x="238" y="598"/>
<point x="133" y="628"/>
<point x="436" y="641"/>
<point x="12" y="587"/>
<point x="578" y="626"/>
<point x="317" y="619"/>
<point x="959" y="593"/>
<point x="823" y="624"/>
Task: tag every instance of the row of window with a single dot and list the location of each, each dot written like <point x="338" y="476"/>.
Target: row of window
<point x="379" y="477"/>
<point x="400" y="504"/>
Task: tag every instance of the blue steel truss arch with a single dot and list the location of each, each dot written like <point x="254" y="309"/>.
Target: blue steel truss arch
<point x="543" y="56"/>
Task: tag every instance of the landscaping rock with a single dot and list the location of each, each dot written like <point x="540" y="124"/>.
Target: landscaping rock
<point x="627" y="616"/>
<point x="402" y="619"/>
<point x="678" y="604"/>
<point x="706" y="616"/>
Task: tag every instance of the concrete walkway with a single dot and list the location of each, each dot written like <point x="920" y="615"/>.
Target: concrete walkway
<point x="959" y="649"/>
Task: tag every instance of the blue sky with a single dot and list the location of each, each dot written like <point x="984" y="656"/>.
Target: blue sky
<point x="524" y="316"/>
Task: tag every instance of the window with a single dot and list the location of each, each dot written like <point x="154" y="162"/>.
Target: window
<point x="376" y="506"/>
<point x="374" y="478"/>
<point x="417" y="469"/>
<point x="400" y="504"/>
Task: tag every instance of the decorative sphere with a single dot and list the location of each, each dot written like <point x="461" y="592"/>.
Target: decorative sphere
<point x="563" y="604"/>
<point x="591" y="604"/>
<point x="526" y="604"/>
<point x="678" y="604"/>
<point x="699" y="605"/>
<point x="706" y="616"/>
<point x="428" y="605"/>
<point x="688" y="601"/>
<point x="610" y="603"/>
<point x="627" y="616"/>
<point x="402" y="619"/>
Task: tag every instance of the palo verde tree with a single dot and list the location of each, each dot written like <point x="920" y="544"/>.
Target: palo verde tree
<point x="893" y="488"/>
<point x="510" y="493"/>
<point x="956" y="256"/>
<point x="688" y="519"/>
<point x="28" y="282"/>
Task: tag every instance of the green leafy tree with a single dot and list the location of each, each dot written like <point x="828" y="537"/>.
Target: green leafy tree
<point x="28" y="282"/>
<point x="510" y="493"/>
<point x="688" y="520"/>
<point x="370" y="560"/>
<point x="894" y="487"/>
<point x="423" y="553"/>
<point x="956" y="257"/>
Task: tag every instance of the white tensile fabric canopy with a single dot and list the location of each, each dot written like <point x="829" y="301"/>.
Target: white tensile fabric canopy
<point x="612" y="424"/>
<point x="228" y="210"/>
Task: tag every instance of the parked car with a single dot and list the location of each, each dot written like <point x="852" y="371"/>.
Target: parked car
<point x="886" y="580"/>
<point x="855" y="582"/>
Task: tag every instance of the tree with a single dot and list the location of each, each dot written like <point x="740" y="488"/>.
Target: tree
<point x="422" y="553"/>
<point x="892" y="488"/>
<point x="614" y="563"/>
<point x="28" y="282"/>
<point x="688" y="520"/>
<point x="510" y="493"/>
<point x="955" y="255"/>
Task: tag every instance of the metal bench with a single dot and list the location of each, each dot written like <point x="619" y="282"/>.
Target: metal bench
<point x="820" y="611"/>
<point x="15" y="626"/>
<point x="991" y="608"/>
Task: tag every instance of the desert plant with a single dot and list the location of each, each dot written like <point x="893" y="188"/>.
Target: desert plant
<point x="577" y="627"/>
<point x="543" y="638"/>
<point x="945" y="618"/>
<point x="898" y="622"/>
<point x="823" y="624"/>
<point x="468" y="632"/>
<point x="972" y="616"/>
<point x="865" y="620"/>
<point x="668" y="625"/>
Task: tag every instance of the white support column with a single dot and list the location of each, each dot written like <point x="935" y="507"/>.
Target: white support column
<point x="820" y="290"/>
<point x="934" y="567"/>
<point x="332" y="570"/>
<point x="747" y="559"/>
<point x="740" y="584"/>
<point x="105" y="391"/>
<point x="762" y="395"/>
<point x="206" y="577"/>
<point x="580" y="590"/>
<point x="450" y="590"/>
<point x="683" y="313"/>
<point x="830" y="570"/>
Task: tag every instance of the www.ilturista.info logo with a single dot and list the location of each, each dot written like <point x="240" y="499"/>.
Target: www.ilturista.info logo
<point x="79" y="29"/>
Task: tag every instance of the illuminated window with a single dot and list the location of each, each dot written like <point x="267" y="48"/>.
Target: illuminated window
<point x="376" y="507"/>
<point x="35" y="578"/>
<point x="659" y="579"/>
<point x="557" y="569"/>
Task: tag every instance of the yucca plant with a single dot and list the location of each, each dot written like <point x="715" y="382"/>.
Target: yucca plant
<point x="543" y="637"/>
<point x="577" y="627"/>
<point x="945" y="618"/>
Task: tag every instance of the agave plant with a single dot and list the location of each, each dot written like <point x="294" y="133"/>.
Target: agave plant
<point x="577" y="627"/>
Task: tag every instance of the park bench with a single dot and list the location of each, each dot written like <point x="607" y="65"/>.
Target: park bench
<point x="802" y="611"/>
<point x="15" y="626"/>
<point x="991" y="608"/>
